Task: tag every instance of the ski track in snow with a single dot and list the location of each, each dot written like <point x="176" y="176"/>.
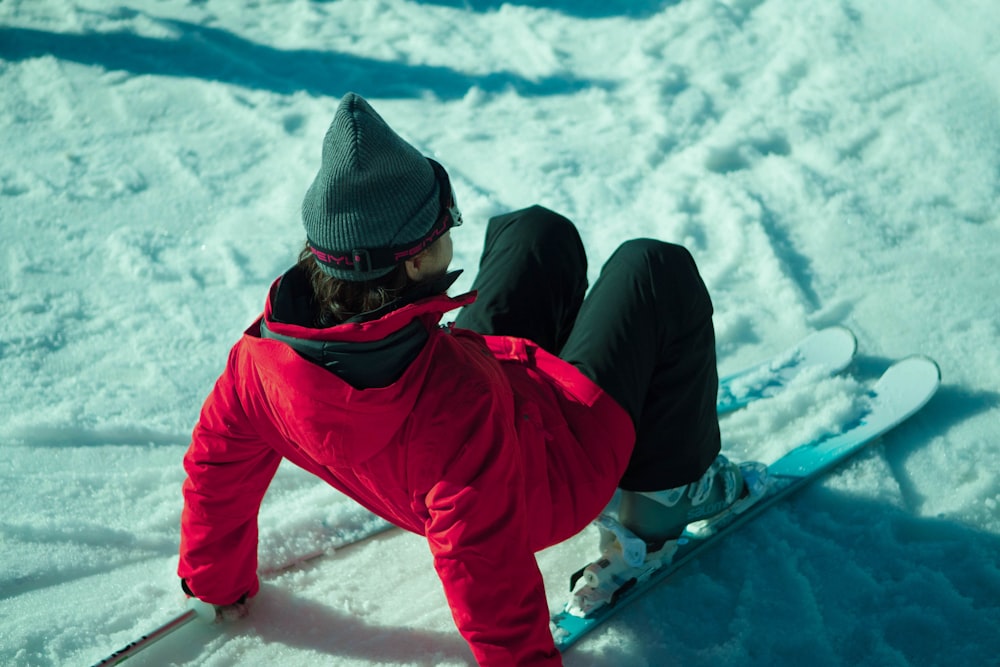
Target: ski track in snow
<point x="829" y="163"/>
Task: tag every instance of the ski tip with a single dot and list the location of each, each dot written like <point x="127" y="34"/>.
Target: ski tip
<point x="912" y="380"/>
<point x="838" y="330"/>
<point x="833" y="347"/>
<point x="838" y="335"/>
<point x="922" y="365"/>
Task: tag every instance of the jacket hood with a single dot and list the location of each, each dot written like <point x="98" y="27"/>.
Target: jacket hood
<point x="345" y="391"/>
<point x="376" y="361"/>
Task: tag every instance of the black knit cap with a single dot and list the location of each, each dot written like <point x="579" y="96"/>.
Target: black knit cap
<point x="376" y="200"/>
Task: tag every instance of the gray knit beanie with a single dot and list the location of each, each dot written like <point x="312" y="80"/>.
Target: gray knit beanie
<point x="373" y="192"/>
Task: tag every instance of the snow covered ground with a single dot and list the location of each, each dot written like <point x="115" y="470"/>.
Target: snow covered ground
<point x="827" y="163"/>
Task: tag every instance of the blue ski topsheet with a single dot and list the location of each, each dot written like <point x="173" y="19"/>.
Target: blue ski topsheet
<point x="903" y="390"/>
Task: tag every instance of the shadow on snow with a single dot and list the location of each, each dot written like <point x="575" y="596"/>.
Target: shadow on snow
<point x="588" y="9"/>
<point x="217" y="55"/>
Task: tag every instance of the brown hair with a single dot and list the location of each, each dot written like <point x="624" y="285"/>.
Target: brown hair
<point x="339" y="300"/>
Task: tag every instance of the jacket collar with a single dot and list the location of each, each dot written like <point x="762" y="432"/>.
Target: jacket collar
<point x="373" y="349"/>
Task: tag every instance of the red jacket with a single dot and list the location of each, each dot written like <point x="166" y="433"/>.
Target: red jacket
<point x="489" y="446"/>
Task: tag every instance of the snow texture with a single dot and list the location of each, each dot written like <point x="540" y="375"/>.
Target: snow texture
<point x="826" y="163"/>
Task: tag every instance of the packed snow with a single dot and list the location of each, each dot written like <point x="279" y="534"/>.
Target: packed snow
<point x="825" y="162"/>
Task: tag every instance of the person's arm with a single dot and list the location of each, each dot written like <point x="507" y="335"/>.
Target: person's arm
<point x="229" y="468"/>
<point x="477" y="531"/>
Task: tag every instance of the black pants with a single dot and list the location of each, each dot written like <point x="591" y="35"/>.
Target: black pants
<point x="644" y="332"/>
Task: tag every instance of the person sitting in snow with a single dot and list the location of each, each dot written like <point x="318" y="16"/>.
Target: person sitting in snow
<point x="496" y="436"/>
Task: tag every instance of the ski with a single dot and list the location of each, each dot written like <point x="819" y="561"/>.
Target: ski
<point x="901" y="391"/>
<point x="825" y="352"/>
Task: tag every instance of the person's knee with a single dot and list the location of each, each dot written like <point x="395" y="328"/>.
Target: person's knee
<point x="545" y="218"/>
<point x="669" y="268"/>
<point x="535" y="226"/>
<point x="540" y="233"/>
<point x="654" y="252"/>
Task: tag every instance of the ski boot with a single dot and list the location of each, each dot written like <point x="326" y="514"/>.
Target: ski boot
<point x="645" y="535"/>
<point x="725" y="489"/>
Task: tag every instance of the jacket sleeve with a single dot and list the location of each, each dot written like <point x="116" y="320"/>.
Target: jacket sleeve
<point x="477" y="531"/>
<point x="229" y="468"/>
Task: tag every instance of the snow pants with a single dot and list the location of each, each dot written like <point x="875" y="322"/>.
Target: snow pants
<point x="643" y="333"/>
